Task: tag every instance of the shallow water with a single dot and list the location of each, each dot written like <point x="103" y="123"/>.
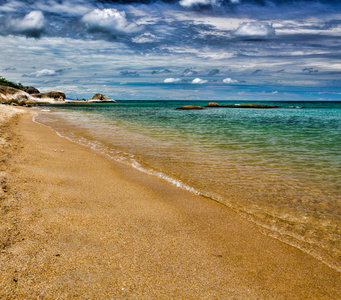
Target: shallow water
<point x="281" y="168"/>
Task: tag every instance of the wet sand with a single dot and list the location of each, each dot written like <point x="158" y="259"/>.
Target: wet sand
<point x="75" y="224"/>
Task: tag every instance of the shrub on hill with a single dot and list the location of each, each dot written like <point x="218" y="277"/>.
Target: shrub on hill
<point x="5" y="82"/>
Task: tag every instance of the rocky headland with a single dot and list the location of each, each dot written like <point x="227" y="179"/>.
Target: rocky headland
<point x="19" y="95"/>
<point x="51" y="96"/>
<point x="13" y="96"/>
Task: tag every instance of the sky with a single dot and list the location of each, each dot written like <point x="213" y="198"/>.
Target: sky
<point x="174" y="49"/>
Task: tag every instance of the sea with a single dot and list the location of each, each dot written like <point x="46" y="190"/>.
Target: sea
<point x="279" y="168"/>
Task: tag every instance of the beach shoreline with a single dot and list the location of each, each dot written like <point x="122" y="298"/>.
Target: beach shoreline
<point x="77" y="225"/>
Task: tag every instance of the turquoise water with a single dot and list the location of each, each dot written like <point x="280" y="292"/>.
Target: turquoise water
<point x="280" y="168"/>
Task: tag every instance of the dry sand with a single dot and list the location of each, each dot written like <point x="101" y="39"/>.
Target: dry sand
<point x="77" y="225"/>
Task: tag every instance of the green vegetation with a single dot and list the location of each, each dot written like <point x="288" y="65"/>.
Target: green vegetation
<point x="5" y="82"/>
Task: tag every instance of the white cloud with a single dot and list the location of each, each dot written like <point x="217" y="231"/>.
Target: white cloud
<point x="199" y="81"/>
<point x="230" y="80"/>
<point x="69" y="7"/>
<point x="254" y="30"/>
<point x="45" y="72"/>
<point x="10" y="6"/>
<point x="145" y="38"/>
<point x="41" y="73"/>
<point x="172" y="80"/>
<point x="109" y="20"/>
<point x="32" y="22"/>
<point x="190" y="3"/>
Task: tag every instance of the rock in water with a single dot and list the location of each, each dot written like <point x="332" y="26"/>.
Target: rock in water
<point x="212" y="104"/>
<point x="101" y="98"/>
<point x="190" y="107"/>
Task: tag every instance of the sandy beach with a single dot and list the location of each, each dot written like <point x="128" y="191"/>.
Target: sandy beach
<point x="76" y="225"/>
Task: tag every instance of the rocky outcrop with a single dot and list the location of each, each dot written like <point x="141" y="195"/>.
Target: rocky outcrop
<point x="17" y="94"/>
<point x="10" y="95"/>
<point x="100" y="98"/>
<point x="190" y="107"/>
<point x="51" y="96"/>
<point x="212" y="104"/>
<point x="32" y="90"/>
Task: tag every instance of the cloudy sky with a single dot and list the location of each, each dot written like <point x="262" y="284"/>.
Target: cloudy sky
<point x="175" y="49"/>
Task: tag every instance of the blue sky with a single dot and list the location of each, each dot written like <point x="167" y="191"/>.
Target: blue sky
<point x="187" y="49"/>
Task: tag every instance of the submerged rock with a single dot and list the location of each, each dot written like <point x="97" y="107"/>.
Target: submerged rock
<point x="248" y="106"/>
<point x="190" y="107"/>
